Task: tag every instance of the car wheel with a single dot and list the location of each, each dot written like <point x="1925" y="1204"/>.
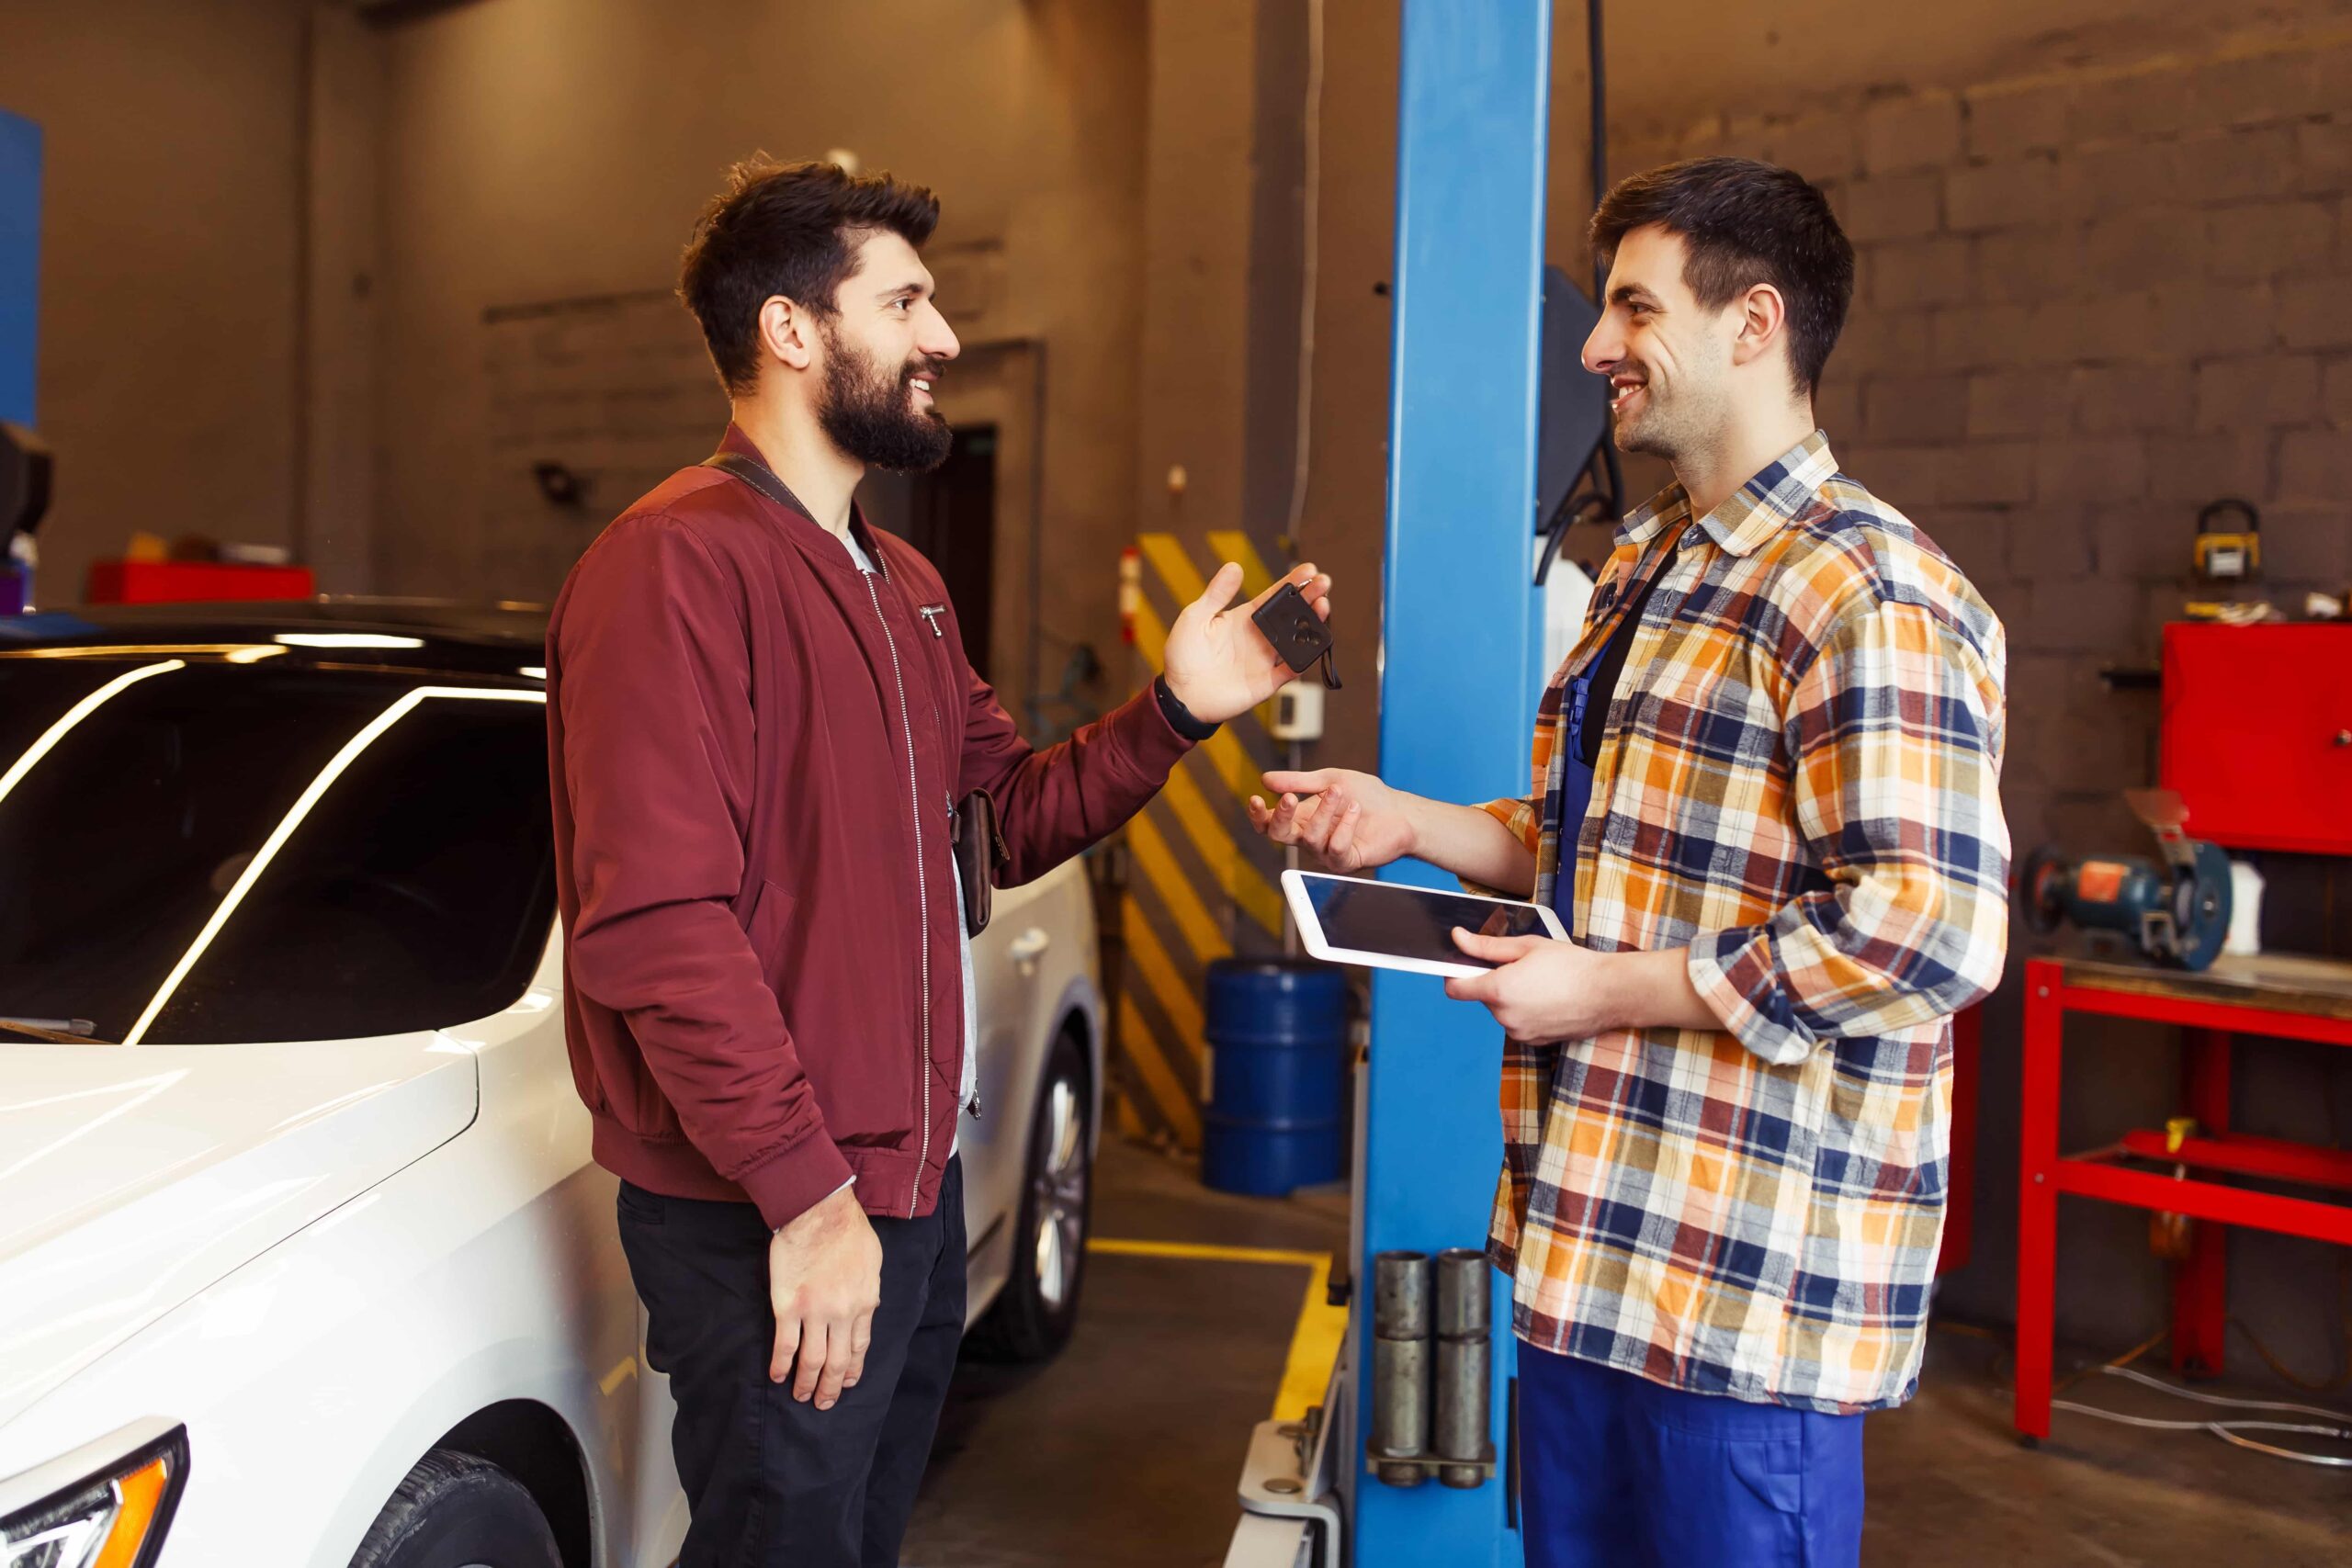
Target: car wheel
<point x="456" y="1511"/>
<point x="1032" y="1317"/>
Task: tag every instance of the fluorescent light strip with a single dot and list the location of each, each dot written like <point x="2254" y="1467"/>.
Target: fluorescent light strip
<point x="76" y="714"/>
<point x="347" y="640"/>
<point x="234" y="652"/>
<point x="303" y="804"/>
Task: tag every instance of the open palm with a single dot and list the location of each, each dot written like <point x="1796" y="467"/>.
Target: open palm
<point x="1219" y="663"/>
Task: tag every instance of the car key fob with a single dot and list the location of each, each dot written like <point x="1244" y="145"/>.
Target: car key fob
<point x="1296" y="632"/>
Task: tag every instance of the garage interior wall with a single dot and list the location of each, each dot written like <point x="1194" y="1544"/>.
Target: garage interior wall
<point x="340" y="278"/>
<point x="2098" y="289"/>
<point x="169" y="373"/>
<point x="542" y="164"/>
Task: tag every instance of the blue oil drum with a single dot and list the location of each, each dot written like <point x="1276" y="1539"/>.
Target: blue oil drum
<point x="1277" y="1093"/>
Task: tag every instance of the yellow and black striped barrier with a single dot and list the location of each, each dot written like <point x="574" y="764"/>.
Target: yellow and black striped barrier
<point x="1201" y="885"/>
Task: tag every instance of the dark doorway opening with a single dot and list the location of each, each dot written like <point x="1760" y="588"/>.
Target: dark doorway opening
<point x="949" y="514"/>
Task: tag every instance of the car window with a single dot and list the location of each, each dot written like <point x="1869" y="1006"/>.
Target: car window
<point x="201" y="851"/>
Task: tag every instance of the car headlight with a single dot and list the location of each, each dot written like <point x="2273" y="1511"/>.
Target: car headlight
<point x="110" y="1512"/>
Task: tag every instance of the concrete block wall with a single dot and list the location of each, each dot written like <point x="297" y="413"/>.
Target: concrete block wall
<point x="2090" y="301"/>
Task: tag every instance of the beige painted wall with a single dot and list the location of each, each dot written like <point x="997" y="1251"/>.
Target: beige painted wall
<point x="170" y="263"/>
<point x="544" y="151"/>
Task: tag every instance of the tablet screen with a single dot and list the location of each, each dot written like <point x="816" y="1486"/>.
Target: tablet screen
<point x="1411" y="922"/>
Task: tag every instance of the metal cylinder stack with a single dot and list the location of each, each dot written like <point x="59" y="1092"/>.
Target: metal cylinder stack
<point x="1401" y="1366"/>
<point x="1432" y="1364"/>
<point x="1464" y="1368"/>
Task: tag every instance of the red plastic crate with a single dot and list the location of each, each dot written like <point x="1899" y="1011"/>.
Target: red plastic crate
<point x="180" y="582"/>
<point x="2257" y="734"/>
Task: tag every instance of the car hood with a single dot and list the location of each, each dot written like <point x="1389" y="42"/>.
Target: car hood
<point x="132" y="1177"/>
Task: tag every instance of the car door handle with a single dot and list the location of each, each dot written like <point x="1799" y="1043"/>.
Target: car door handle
<point x="1029" y="946"/>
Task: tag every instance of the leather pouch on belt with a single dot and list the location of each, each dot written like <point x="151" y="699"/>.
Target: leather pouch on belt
<point x="979" y="852"/>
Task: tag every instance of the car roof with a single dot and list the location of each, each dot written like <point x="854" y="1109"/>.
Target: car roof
<point x="497" y="640"/>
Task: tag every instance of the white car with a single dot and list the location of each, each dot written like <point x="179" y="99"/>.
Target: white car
<point x="302" y="1257"/>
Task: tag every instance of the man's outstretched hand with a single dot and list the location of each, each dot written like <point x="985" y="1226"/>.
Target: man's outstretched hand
<point x="1219" y="663"/>
<point x="824" y="1280"/>
<point x="1348" y="820"/>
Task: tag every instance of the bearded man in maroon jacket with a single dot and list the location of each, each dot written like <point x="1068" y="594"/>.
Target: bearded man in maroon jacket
<point x="759" y="719"/>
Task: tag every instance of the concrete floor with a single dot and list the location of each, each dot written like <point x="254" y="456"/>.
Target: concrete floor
<point x="1126" y="1449"/>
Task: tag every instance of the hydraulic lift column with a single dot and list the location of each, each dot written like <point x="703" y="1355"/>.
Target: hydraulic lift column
<point x="19" y="264"/>
<point x="1461" y="634"/>
<point x="24" y="462"/>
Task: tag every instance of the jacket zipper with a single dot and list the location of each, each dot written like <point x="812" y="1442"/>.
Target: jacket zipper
<point x="922" y="890"/>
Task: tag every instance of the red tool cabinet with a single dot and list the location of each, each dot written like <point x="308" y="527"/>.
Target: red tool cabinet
<point x="2257" y="734"/>
<point x="179" y="582"/>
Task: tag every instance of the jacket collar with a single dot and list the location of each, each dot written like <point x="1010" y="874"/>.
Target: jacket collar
<point x="1777" y="494"/>
<point x="815" y="540"/>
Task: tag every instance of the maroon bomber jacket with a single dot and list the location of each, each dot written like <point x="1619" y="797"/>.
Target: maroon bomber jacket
<point x="754" y="751"/>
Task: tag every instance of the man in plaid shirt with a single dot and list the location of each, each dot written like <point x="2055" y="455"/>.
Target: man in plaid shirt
<point x="1765" y="804"/>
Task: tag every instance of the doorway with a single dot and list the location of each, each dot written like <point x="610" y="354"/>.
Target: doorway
<point x="949" y="514"/>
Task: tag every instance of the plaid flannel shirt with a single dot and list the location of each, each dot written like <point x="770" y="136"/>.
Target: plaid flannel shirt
<point x="1798" y="784"/>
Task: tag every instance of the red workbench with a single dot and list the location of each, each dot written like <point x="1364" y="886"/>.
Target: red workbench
<point x="2280" y="998"/>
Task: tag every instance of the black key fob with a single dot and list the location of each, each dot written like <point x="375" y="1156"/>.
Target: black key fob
<point x="1296" y="632"/>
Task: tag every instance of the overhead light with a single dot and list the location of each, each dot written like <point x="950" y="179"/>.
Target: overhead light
<point x="347" y="640"/>
<point x="534" y="671"/>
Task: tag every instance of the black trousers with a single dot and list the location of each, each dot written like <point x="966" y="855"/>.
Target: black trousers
<point x="773" y="1482"/>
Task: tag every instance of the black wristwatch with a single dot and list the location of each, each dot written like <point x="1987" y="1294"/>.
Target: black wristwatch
<point x="1180" y="719"/>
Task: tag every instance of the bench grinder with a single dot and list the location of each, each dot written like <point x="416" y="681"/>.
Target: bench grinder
<point x="2175" y="908"/>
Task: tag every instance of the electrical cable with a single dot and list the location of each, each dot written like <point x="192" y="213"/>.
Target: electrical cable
<point x="1597" y="59"/>
<point x="2117" y="1365"/>
<point x="1310" y="251"/>
<point x="2285" y="1374"/>
<point x="2228" y="1431"/>
<point x="2224" y="1401"/>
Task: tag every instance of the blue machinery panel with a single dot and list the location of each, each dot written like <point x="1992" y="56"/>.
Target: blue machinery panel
<point x="1461" y="635"/>
<point x="20" y="265"/>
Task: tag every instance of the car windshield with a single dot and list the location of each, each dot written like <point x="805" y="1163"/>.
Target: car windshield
<point x="199" y="849"/>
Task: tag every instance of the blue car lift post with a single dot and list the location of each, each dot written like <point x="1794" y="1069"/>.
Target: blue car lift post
<point x="19" y="263"/>
<point x="1462" y="635"/>
<point x="20" y="153"/>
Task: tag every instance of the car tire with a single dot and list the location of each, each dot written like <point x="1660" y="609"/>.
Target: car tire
<point x="1032" y="1317"/>
<point x="456" y="1511"/>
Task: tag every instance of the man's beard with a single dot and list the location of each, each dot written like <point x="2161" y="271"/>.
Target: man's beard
<point x="1670" y="424"/>
<point x="869" y="411"/>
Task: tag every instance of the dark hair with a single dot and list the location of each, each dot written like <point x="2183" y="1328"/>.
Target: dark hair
<point x="788" y="229"/>
<point x="1743" y="223"/>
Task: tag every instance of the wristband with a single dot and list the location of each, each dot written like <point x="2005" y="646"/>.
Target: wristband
<point x="1180" y="719"/>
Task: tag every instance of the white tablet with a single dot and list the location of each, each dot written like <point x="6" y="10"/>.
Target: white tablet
<point x="1388" y="925"/>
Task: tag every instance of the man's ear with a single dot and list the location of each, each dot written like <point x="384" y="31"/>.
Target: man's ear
<point x="1763" y="321"/>
<point x="787" y="332"/>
